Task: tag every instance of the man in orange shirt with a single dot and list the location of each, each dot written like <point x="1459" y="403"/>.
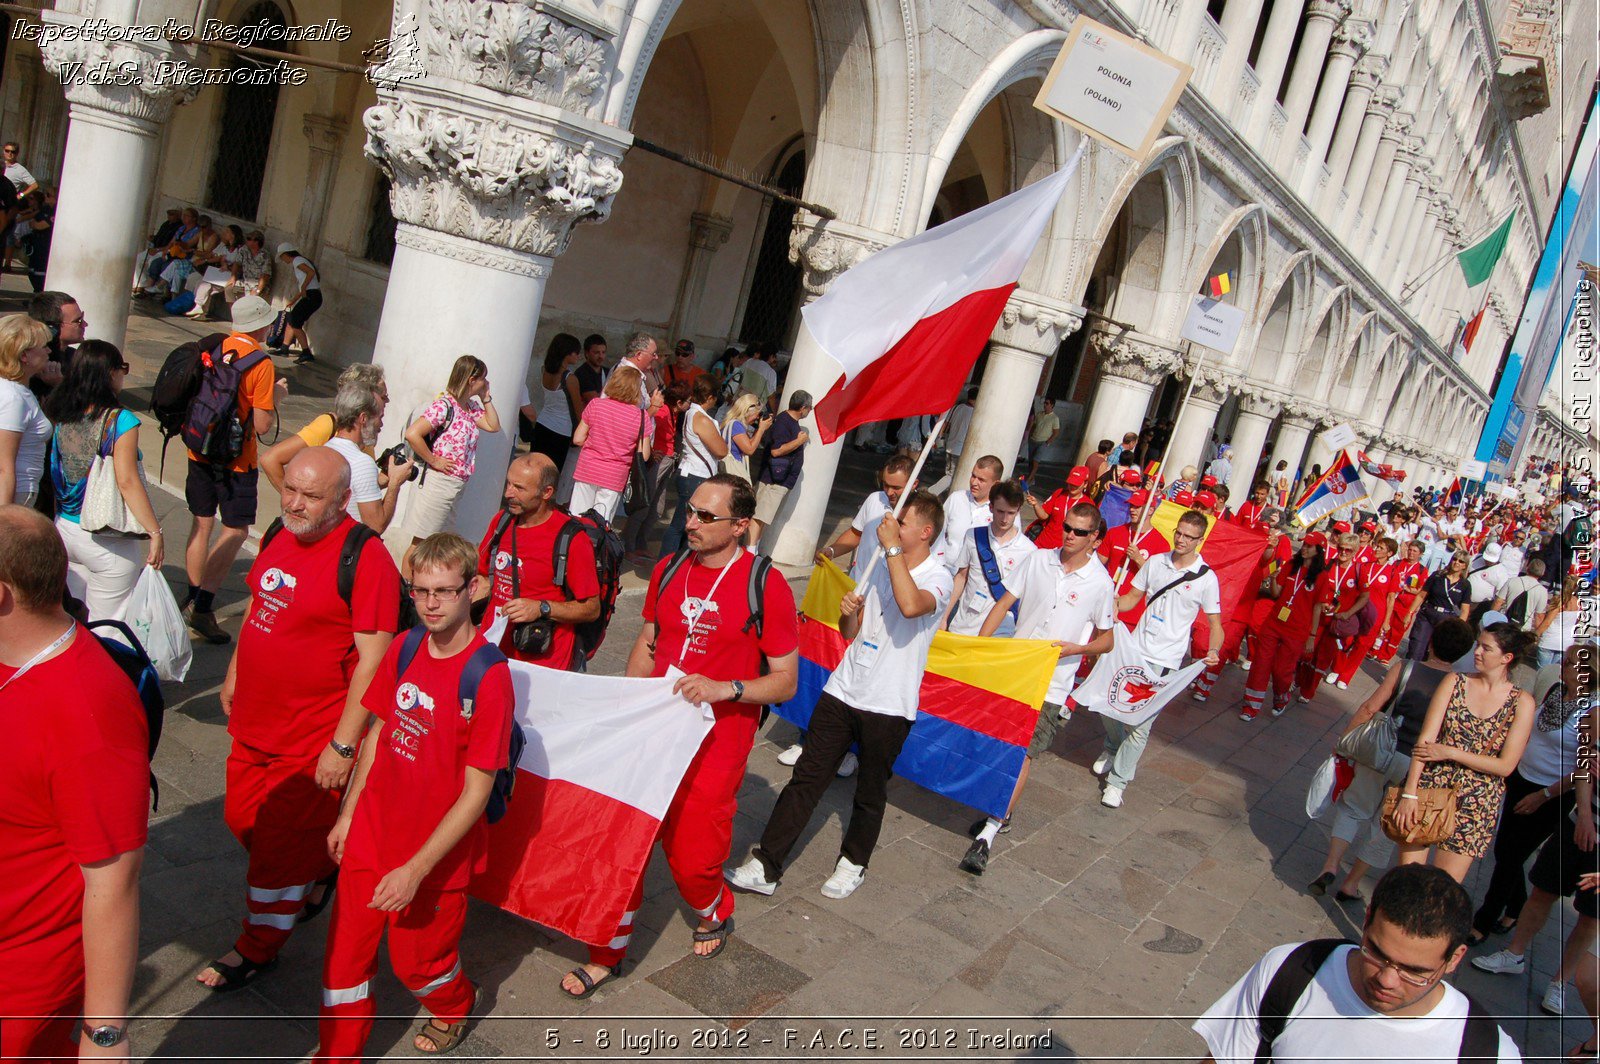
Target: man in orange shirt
<point x="228" y="489"/>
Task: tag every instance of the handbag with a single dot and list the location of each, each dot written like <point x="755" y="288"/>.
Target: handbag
<point x="1436" y="816"/>
<point x="734" y="461"/>
<point x="1346" y="627"/>
<point x="636" y="492"/>
<point x="1375" y="741"/>
<point x="104" y="511"/>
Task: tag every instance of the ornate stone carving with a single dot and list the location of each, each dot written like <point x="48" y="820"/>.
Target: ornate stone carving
<point x="1037" y="325"/>
<point x="1369" y="70"/>
<point x="463" y="249"/>
<point x="1351" y="39"/>
<point x="130" y="79"/>
<point x="1331" y="10"/>
<point x="1261" y="402"/>
<point x="492" y="177"/>
<point x="1302" y="411"/>
<point x="517" y="49"/>
<point x="1122" y="355"/>
<point x="708" y="232"/>
<point x="825" y="249"/>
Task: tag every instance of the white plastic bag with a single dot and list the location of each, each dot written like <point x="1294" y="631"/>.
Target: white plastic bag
<point x="1320" y="795"/>
<point x="153" y="614"/>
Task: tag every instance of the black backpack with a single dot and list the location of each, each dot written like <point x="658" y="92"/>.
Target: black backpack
<point x="1517" y="611"/>
<point x="355" y="540"/>
<point x="212" y="427"/>
<point x="608" y="552"/>
<point x="129" y="654"/>
<point x="1480" y="1037"/>
<point x="755" y="587"/>
<point x="177" y="385"/>
<point x="478" y="665"/>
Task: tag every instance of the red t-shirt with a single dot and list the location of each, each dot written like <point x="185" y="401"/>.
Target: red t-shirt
<point x="535" y="548"/>
<point x="720" y="648"/>
<point x="1381" y="580"/>
<point x="1299" y="599"/>
<point x="1340" y="586"/>
<point x="75" y="791"/>
<point x="297" y="647"/>
<point x="1408" y="580"/>
<point x="1249" y="515"/>
<point x="665" y="442"/>
<point x="426" y="743"/>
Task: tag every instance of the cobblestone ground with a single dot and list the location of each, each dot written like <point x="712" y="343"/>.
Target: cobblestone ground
<point x="1095" y="935"/>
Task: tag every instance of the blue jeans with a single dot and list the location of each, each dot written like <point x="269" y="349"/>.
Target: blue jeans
<point x="672" y="540"/>
<point x="1548" y="657"/>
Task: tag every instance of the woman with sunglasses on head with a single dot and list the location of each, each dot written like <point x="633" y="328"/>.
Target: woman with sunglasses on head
<point x="24" y="430"/>
<point x="445" y="439"/>
<point x="102" y="566"/>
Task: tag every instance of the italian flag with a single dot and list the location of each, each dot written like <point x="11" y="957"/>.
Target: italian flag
<point x="1477" y="266"/>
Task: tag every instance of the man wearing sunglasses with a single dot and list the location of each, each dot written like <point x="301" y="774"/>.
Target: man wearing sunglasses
<point x="294" y="743"/>
<point x="1381" y="999"/>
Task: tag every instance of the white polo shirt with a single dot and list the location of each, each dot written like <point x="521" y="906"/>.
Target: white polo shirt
<point x="976" y="601"/>
<point x="962" y="513"/>
<point x="882" y="667"/>
<point x="1056" y="604"/>
<point x="1163" y="629"/>
<point x="866" y="522"/>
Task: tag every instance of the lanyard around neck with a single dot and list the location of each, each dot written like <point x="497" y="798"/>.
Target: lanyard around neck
<point x="696" y="608"/>
<point x="60" y="641"/>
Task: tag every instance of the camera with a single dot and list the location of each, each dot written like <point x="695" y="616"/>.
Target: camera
<point x="401" y="452"/>
<point x="532" y="638"/>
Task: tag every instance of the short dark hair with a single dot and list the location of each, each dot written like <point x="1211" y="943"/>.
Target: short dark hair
<point x="899" y="463"/>
<point x="1260" y="485"/>
<point x="1091" y="511"/>
<point x="592" y="339"/>
<point x="925" y="506"/>
<point x="1425" y="902"/>
<point x="1008" y="492"/>
<point x="1104" y="447"/>
<point x="705" y="389"/>
<point x="1194" y="518"/>
<point x="675" y="393"/>
<point x="1452" y="637"/>
<point x="741" y="496"/>
<point x="1515" y="640"/>
<point x="33" y="560"/>
<point x="46" y="306"/>
<point x="992" y="463"/>
<point x="800" y="399"/>
<point x="1222" y="493"/>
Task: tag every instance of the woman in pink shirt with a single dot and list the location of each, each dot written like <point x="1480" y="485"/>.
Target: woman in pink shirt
<point x="612" y="430"/>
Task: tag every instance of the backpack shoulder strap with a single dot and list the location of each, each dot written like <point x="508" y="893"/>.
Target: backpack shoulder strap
<point x="408" y="649"/>
<point x="1480" y="1035"/>
<point x="564" y="536"/>
<point x="355" y="541"/>
<point x="272" y="532"/>
<point x="478" y="665"/>
<point x="1288" y="983"/>
<point x="671" y="570"/>
<point x="756" y="595"/>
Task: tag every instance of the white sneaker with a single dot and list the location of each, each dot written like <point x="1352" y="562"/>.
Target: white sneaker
<point x="1555" y="999"/>
<point x="1501" y="962"/>
<point x="848" y="766"/>
<point x="750" y="876"/>
<point x="1278" y="711"/>
<point x="1333" y="678"/>
<point x="1100" y="765"/>
<point x="1341" y="685"/>
<point x="792" y="754"/>
<point x="1302" y="699"/>
<point x="844" y="881"/>
<point x="1199" y="695"/>
<point x="1244" y="663"/>
<point x="1112" y="798"/>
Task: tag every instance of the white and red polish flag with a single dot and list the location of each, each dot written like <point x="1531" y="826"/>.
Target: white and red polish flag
<point x="907" y="323"/>
<point x="604" y="758"/>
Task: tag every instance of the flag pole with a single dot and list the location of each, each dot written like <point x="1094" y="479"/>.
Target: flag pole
<point x="916" y="471"/>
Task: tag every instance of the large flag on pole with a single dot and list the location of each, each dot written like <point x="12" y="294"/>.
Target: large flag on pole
<point x="604" y="758"/>
<point x="1336" y="489"/>
<point x="1477" y="266"/>
<point x="907" y="323"/>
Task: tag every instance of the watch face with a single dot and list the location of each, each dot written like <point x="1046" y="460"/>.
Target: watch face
<point x="105" y="1037"/>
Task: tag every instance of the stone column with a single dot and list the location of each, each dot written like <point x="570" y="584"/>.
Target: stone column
<point x="824" y="250"/>
<point x="326" y="136"/>
<point x="1352" y="121"/>
<point x="1394" y="137"/>
<point x="1186" y="29"/>
<point x="1321" y="18"/>
<point x="1293" y="430"/>
<point x="1257" y="408"/>
<point x="492" y="155"/>
<point x="1348" y="44"/>
<point x="707" y="233"/>
<point x="1419" y="222"/>
<point x="1029" y="330"/>
<point x="1130" y="369"/>
<point x="1239" y="19"/>
<point x="1354" y="181"/>
<point x="1405" y="157"/>
<point x="1196" y="419"/>
<point x="1272" y="59"/>
<point x="108" y="173"/>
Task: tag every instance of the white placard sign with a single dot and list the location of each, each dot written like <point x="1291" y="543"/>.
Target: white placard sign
<point x="1472" y="469"/>
<point x="1213" y="323"/>
<point x="1339" y="436"/>
<point x="1112" y="87"/>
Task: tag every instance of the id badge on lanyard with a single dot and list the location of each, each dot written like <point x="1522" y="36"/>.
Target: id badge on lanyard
<point x="1288" y="607"/>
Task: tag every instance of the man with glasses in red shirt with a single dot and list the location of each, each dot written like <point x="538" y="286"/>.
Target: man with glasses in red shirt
<point x="306" y="652"/>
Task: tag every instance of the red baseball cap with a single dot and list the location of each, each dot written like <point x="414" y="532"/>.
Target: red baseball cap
<point x="1208" y="482"/>
<point x="1369" y="526"/>
<point x="1131" y="477"/>
<point x="1341" y="527"/>
<point x="1184" y="498"/>
<point x="1138" y="498"/>
<point x="1314" y="539"/>
<point x="1206" y="498"/>
<point x="1079" y="476"/>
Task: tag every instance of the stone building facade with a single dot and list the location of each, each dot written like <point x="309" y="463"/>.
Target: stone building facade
<point x="1327" y="153"/>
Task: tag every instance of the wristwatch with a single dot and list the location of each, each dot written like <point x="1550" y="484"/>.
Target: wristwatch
<point x="738" y="690"/>
<point x="893" y="552"/>
<point x="544" y="610"/>
<point x="346" y="752"/>
<point x="105" y="1037"/>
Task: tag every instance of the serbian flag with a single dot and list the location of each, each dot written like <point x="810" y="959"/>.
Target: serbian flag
<point x="1336" y="489"/>
<point x="1453" y="493"/>
<point x="979" y="703"/>
<point x="604" y="758"/>
<point x="907" y="323"/>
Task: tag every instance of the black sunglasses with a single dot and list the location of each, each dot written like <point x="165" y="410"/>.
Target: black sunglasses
<point x="1081" y="533"/>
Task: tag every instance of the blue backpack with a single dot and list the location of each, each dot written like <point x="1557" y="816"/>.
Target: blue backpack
<point x="129" y="655"/>
<point x="483" y="659"/>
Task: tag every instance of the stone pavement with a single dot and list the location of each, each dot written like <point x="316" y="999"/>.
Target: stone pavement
<point x="1095" y="935"/>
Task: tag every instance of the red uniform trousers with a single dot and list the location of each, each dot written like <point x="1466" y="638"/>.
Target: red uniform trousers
<point x="42" y="1037"/>
<point x="1277" y="651"/>
<point x="1388" y="643"/>
<point x="1330" y="654"/>
<point x="275" y="809"/>
<point x="1350" y="660"/>
<point x="1247" y="621"/>
<point x="697" y="832"/>
<point x="423" y="939"/>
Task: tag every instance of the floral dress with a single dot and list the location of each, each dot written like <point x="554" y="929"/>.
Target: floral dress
<point x="1478" y="794"/>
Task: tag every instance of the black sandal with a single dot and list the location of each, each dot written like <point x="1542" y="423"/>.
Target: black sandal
<point x="1349" y="898"/>
<point x="238" y="976"/>
<point x="313" y="909"/>
<point x="590" y="984"/>
<point x="719" y="934"/>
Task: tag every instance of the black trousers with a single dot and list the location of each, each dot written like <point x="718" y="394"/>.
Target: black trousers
<point x="1520" y="835"/>
<point x="834" y="727"/>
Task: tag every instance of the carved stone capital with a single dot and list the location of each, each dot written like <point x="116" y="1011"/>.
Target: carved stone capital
<point x="1302" y="412"/>
<point x="1036" y="324"/>
<point x="1260" y="402"/>
<point x="825" y="249"/>
<point x="1369" y="70"/>
<point x="325" y="134"/>
<point x="1351" y="39"/>
<point x="521" y="49"/>
<point x="476" y="252"/>
<point x="1134" y="358"/>
<point x="1398" y="128"/>
<point x="137" y="81"/>
<point x="708" y="232"/>
<point x="478" y="171"/>
<point x="1213" y="385"/>
<point x="1328" y="10"/>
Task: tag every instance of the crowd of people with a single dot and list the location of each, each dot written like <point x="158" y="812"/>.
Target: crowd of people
<point x="384" y="824"/>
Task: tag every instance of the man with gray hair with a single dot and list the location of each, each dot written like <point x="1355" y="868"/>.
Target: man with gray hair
<point x="641" y="354"/>
<point x="357" y="418"/>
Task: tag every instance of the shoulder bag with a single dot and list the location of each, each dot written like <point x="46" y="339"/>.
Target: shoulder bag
<point x="735" y="461"/>
<point x="1374" y="742"/>
<point x="636" y="492"/>
<point x="104" y="511"/>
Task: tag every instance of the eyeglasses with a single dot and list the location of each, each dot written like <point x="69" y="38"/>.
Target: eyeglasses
<point x="706" y="517"/>
<point x="1405" y="974"/>
<point x="442" y="594"/>
<point x="1081" y="533"/>
<point x="121" y="367"/>
<point x="79" y="320"/>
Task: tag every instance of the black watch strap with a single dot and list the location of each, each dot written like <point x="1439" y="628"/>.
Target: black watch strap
<point x="346" y="752"/>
